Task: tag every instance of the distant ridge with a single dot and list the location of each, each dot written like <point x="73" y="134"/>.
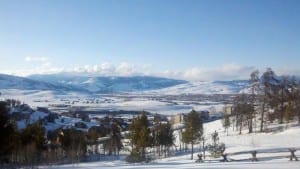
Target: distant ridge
<point x="67" y="82"/>
<point x="106" y="84"/>
<point x="23" y="83"/>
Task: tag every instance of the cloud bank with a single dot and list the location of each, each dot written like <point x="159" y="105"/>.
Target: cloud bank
<point x="229" y="71"/>
<point x="222" y="72"/>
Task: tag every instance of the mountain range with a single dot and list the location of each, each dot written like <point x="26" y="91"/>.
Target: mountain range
<point x="64" y="82"/>
<point x="23" y="83"/>
<point x="86" y="83"/>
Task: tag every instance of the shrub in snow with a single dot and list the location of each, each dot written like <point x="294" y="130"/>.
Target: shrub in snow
<point x="216" y="149"/>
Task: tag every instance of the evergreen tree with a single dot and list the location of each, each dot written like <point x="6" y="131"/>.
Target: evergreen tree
<point x="7" y="131"/>
<point x="93" y="134"/>
<point x="115" y="143"/>
<point x="193" y="129"/>
<point x="164" y="135"/>
<point x="140" y="136"/>
<point x="216" y="149"/>
<point x="74" y="143"/>
<point x="34" y="133"/>
<point x="33" y="143"/>
<point x="226" y="122"/>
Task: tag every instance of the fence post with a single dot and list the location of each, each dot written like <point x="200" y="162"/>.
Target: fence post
<point x="199" y="160"/>
<point x="224" y="158"/>
<point x="254" y="156"/>
<point x="293" y="156"/>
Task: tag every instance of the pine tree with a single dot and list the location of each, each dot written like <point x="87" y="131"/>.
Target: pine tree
<point x="140" y="137"/>
<point x="226" y="122"/>
<point x="193" y="129"/>
<point x="115" y="143"/>
<point x="7" y="131"/>
<point x="33" y="143"/>
<point x="74" y="143"/>
<point x="216" y="148"/>
<point x="164" y="136"/>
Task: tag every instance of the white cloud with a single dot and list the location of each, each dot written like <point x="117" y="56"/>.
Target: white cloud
<point x="194" y="74"/>
<point x="223" y="72"/>
<point x="126" y="69"/>
<point x="35" y="59"/>
<point x="104" y="68"/>
<point x="107" y="69"/>
<point x="231" y="71"/>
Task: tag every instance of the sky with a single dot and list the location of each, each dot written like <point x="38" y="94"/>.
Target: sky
<point x="185" y="39"/>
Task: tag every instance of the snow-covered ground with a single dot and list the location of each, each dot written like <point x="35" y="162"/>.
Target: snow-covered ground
<point x="184" y="163"/>
<point x="234" y="143"/>
<point x="130" y="101"/>
<point x="203" y="87"/>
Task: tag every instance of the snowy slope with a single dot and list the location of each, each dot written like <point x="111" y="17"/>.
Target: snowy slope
<point x="204" y="87"/>
<point x="183" y="164"/>
<point x="112" y="84"/>
<point x="234" y="142"/>
<point x="21" y="83"/>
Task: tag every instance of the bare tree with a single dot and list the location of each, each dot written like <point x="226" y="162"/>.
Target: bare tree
<point x="254" y="85"/>
<point x="242" y="110"/>
<point x="267" y="81"/>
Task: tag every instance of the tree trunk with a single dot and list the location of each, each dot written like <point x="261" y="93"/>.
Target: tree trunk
<point x="255" y="124"/>
<point x="241" y="125"/>
<point x="192" y="151"/>
<point x="250" y="125"/>
<point x="262" y="116"/>
<point x="298" y="117"/>
<point x="203" y="147"/>
<point x="158" y="151"/>
<point x="281" y="108"/>
<point x="143" y="153"/>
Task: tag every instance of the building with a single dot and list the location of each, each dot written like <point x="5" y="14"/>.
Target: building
<point x="177" y="119"/>
<point x="228" y="109"/>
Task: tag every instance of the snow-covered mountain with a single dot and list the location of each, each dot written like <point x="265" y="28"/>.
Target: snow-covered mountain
<point x="109" y="84"/>
<point x="115" y="84"/>
<point x="22" y="83"/>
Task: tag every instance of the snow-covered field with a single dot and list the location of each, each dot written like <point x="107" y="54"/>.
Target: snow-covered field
<point x="234" y="143"/>
<point x="130" y="101"/>
<point x="183" y="163"/>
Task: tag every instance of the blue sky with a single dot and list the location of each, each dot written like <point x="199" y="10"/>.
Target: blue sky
<point x="188" y="39"/>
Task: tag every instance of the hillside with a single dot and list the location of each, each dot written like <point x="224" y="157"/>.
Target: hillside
<point x="108" y="84"/>
<point x="22" y="83"/>
<point x="233" y="142"/>
<point x="114" y="84"/>
<point x="204" y="87"/>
